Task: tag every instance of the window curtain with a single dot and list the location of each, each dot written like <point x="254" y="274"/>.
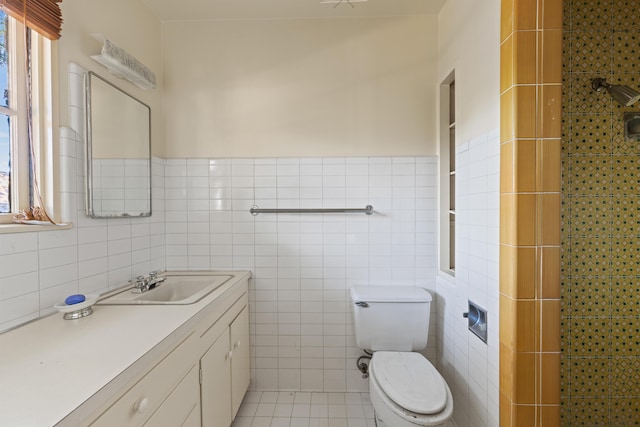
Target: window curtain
<point x="43" y="16"/>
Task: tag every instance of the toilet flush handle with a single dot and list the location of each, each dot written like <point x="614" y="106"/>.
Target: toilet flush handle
<point x="362" y="304"/>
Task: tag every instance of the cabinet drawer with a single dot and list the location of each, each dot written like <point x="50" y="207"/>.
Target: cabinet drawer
<point x="178" y="408"/>
<point x="137" y="404"/>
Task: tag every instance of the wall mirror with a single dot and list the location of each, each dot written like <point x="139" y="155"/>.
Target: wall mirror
<point x="118" y="152"/>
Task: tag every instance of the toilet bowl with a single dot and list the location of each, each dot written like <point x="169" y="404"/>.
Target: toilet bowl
<point x="392" y="323"/>
<point x="407" y="391"/>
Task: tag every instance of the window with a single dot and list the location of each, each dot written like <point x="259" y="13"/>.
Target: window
<point x="23" y="55"/>
<point x="448" y="175"/>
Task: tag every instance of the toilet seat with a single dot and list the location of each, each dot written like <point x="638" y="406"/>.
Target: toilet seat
<point x="389" y="396"/>
<point x="410" y="381"/>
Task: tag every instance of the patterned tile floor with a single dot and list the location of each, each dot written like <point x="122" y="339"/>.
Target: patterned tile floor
<point x="302" y="409"/>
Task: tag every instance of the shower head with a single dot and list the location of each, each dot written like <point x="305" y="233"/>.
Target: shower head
<point x="621" y="93"/>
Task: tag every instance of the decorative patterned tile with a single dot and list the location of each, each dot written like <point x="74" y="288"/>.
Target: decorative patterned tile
<point x="589" y="377"/>
<point x="589" y="412"/>
<point x="565" y="332"/>
<point x="565" y="215"/>
<point x="622" y="12"/>
<point x="625" y="299"/>
<point x="566" y="48"/>
<point x="600" y="219"/>
<point x="589" y="297"/>
<point x="625" y="376"/>
<point x="625" y="411"/>
<point x="626" y="48"/>
<point x="590" y="256"/>
<point x="625" y="215"/>
<point x="591" y="51"/>
<point x="625" y="336"/>
<point x="591" y="133"/>
<point x="625" y="174"/>
<point x="625" y="256"/>
<point x="591" y="175"/>
<point x="590" y="216"/>
<point x="565" y="376"/>
<point x="590" y="337"/>
<point x="565" y="303"/>
<point x="589" y="14"/>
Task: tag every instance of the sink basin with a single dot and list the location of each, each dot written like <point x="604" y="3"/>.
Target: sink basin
<point x="183" y="289"/>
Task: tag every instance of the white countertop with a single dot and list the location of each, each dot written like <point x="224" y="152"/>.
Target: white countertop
<point x="50" y="367"/>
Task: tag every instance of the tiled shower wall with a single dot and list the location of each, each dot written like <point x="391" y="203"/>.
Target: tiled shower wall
<point x="304" y="264"/>
<point x="600" y="252"/>
<point x="471" y="367"/>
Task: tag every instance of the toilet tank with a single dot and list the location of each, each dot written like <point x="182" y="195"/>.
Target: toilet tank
<point x="391" y="318"/>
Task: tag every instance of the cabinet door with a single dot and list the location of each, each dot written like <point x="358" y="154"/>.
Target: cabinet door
<point x="240" y="364"/>
<point x="216" y="383"/>
<point x="183" y="401"/>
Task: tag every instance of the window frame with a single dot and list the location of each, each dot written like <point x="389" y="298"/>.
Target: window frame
<point x="42" y="74"/>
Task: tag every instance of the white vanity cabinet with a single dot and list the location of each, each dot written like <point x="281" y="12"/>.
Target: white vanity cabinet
<point x="225" y="371"/>
<point x="201" y="381"/>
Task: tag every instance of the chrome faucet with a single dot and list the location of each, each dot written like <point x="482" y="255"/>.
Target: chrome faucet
<point x="154" y="279"/>
<point x="143" y="284"/>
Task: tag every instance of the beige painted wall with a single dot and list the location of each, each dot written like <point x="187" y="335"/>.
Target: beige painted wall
<point x="313" y="87"/>
<point x="130" y="25"/>
<point x="469" y="42"/>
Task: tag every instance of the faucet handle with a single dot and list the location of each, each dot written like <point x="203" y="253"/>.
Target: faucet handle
<point x="139" y="284"/>
<point x="154" y="273"/>
<point x="141" y="281"/>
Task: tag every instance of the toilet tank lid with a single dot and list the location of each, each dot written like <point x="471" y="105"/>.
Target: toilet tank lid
<point x="390" y="294"/>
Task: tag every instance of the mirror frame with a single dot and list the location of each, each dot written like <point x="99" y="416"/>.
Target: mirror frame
<point x="89" y="151"/>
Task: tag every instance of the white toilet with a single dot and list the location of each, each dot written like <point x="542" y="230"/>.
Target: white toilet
<point x="405" y="389"/>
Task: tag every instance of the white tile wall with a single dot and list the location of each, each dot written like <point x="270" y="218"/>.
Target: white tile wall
<point x="39" y="269"/>
<point x="471" y="367"/>
<point x="304" y="264"/>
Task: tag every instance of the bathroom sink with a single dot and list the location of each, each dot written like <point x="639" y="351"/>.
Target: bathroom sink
<point x="181" y="289"/>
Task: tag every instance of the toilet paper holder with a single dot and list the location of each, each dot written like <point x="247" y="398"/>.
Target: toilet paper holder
<point x="477" y="317"/>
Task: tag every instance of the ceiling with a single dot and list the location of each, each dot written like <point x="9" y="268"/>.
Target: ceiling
<point x="171" y="10"/>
